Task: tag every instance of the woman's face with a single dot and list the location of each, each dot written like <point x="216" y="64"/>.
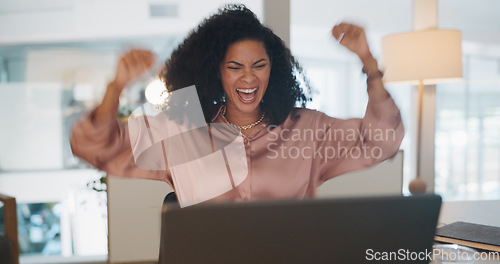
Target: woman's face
<point x="245" y="73"/>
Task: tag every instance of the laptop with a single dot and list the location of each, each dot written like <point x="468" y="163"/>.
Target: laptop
<point x="349" y="230"/>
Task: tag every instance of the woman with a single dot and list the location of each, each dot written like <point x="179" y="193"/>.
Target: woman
<point x="246" y="77"/>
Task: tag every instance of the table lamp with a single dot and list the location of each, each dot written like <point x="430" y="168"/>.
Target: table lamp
<point x="421" y="58"/>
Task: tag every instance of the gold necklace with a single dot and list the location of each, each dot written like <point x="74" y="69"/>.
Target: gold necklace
<point x="250" y="125"/>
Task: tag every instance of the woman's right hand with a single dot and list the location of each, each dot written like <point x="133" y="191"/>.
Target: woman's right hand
<point x="131" y="65"/>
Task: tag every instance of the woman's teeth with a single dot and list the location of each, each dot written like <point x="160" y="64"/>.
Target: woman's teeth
<point x="247" y="91"/>
<point x="247" y="95"/>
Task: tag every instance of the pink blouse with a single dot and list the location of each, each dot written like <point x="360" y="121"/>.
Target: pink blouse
<point x="286" y="161"/>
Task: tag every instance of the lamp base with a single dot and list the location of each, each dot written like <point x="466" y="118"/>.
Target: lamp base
<point x="417" y="186"/>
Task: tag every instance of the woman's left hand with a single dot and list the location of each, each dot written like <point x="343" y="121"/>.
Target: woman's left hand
<point x="353" y="38"/>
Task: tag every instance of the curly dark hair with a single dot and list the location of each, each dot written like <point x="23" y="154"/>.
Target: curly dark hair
<point x="196" y="62"/>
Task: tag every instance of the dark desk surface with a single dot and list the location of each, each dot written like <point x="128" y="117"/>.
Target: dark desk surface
<point x="479" y="212"/>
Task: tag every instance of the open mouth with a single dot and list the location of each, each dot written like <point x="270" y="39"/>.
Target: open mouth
<point x="247" y="95"/>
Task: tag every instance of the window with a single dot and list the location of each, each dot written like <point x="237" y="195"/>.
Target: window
<point x="468" y="133"/>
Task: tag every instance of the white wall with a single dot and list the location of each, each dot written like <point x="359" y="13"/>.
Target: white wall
<point x="31" y="125"/>
<point x="32" y="21"/>
<point x="134" y="207"/>
<point x="44" y="186"/>
<point x="385" y="178"/>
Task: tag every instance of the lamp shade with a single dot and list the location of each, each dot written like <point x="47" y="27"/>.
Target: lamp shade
<point x="430" y="56"/>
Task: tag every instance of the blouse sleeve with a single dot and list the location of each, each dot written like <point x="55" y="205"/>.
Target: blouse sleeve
<point x="106" y="146"/>
<point x="354" y="144"/>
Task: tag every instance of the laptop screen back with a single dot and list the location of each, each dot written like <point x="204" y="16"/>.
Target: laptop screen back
<point x="353" y="230"/>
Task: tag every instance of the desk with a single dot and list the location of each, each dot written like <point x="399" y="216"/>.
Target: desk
<point x="478" y="212"/>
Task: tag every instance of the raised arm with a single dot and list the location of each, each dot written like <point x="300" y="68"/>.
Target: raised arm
<point x="353" y="38"/>
<point x="360" y="143"/>
<point x="101" y="140"/>
<point x="131" y="65"/>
